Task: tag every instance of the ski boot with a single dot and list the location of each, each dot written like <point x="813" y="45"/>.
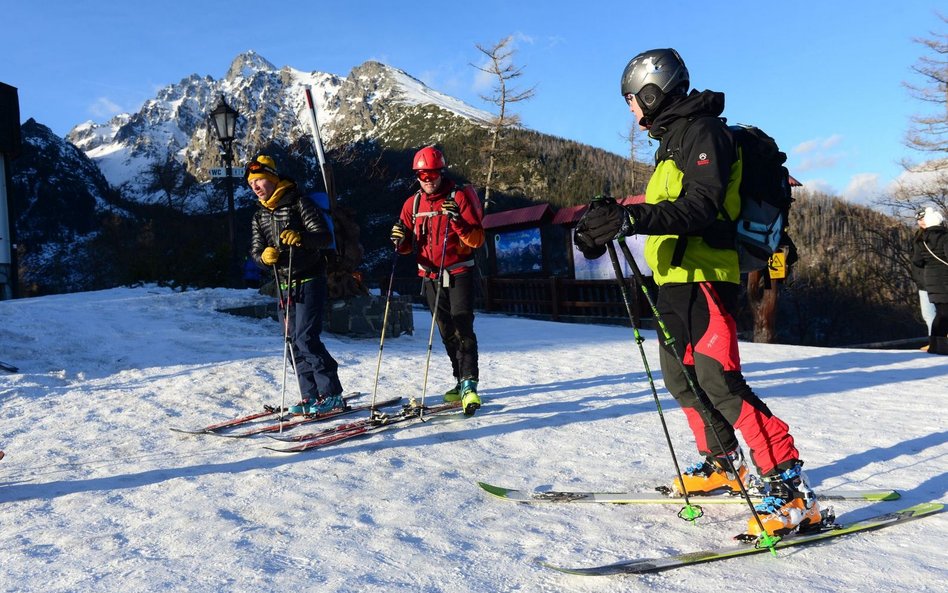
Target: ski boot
<point x="453" y="394"/>
<point x="470" y="401"/>
<point x="790" y="504"/>
<point x="301" y="408"/>
<point x="713" y="475"/>
<point x="326" y="404"/>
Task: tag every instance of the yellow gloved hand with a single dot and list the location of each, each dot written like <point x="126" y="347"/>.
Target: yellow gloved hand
<point x="399" y="232"/>
<point x="270" y="256"/>
<point x="293" y="238"/>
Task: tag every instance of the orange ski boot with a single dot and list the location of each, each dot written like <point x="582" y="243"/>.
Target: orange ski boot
<point x="713" y="475"/>
<point x="789" y="506"/>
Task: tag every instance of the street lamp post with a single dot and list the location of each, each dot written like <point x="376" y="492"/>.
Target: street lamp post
<point x="224" y="119"/>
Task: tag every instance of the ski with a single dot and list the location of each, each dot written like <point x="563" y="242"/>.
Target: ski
<point x="267" y="411"/>
<point x="661" y="498"/>
<point x="650" y="565"/>
<point x="212" y="428"/>
<point x="8" y="367"/>
<point x="295" y="421"/>
<point x="406" y="416"/>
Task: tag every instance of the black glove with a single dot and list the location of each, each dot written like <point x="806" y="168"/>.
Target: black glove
<point x="589" y="250"/>
<point x="604" y="221"/>
<point x="399" y="232"/>
<point x="450" y="208"/>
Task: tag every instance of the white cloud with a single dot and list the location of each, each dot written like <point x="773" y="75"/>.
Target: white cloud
<point x="817" y="144"/>
<point x="830" y="142"/>
<point x="817" y="153"/>
<point x="863" y="188"/>
<point x="817" y="161"/>
<point x="819" y="186"/>
<point x="104" y="108"/>
<point x="805" y="147"/>
<point x="926" y="179"/>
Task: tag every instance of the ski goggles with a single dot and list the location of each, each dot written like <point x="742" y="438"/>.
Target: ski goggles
<point x="256" y="168"/>
<point x="920" y="215"/>
<point x="428" y="175"/>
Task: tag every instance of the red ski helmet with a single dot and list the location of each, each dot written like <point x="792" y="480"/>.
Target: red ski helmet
<point x="428" y="158"/>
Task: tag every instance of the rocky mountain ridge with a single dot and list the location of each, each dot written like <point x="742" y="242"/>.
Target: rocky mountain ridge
<point x="271" y="104"/>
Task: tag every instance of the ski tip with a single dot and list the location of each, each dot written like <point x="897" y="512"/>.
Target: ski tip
<point x="599" y="571"/>
<point x="184" y="431"/>
<point x="893" y="495"/>
<point x="281" y="449"/>
<point x="926" y="508"/>
<point x="495" y="490"/>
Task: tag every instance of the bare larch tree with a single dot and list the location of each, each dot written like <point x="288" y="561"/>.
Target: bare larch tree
<point x="500" y="65"/>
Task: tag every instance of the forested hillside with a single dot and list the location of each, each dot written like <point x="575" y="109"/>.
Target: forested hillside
<point x="853" y="283"/>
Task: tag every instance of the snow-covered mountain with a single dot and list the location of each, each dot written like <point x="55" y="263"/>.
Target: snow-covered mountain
<point x="365" y="105"/>
<point x="59" y="197"/>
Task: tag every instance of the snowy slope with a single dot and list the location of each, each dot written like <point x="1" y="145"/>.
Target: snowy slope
<point x="98" y="494"/>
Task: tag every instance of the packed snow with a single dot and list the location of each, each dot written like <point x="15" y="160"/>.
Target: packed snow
<point x="100" y="495"/>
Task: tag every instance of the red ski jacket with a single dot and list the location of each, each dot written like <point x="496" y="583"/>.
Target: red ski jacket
<point x="465" y="234"/>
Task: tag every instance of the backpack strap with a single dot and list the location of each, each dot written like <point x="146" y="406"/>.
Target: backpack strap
<point x="725" y="227"/>
<point x="414" y="208"/>
<point x="417" y="202"/>
<point x="929" y="249"/>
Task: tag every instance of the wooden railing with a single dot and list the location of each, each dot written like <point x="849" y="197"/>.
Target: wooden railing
<point x="558" y="299"/>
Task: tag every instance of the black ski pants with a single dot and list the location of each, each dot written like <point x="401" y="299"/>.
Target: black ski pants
<point x="316" y="369"/>
<point x="455" y="319"/>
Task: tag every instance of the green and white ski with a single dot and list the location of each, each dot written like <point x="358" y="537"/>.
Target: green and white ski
<point x="655" y="497"/>
<point x="649" y="565"/>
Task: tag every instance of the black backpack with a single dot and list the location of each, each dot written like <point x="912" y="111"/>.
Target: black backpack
<point x="761" y="227"/>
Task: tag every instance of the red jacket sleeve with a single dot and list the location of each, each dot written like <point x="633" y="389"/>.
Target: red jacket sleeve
<point x="469" y="226"/>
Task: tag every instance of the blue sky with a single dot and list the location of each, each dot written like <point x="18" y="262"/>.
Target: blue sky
<point x="824" y="78"/>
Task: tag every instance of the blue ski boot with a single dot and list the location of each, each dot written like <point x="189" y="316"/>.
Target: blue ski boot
<point x="301" y="408"/>
<point x="326" y="404"/>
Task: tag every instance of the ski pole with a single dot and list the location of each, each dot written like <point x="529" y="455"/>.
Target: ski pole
<point x="325" y="168"/>
<point x="378" y="364"/>
<point x="690" y="512"/>
<point x="765" y="540"/>
<point x="317" y="140"/>
<point x="287" y="347"/>
<point x="434" y="315"/>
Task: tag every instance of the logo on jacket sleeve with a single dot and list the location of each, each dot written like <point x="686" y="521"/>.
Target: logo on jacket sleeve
<point x="703" y="159"/>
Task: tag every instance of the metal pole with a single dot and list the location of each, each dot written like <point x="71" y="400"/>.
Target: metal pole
<point x="434" y="317"/>
<point x="690" y="512"/>
<point x="766" y="540"/>
<point x="6" y="243"/>
<point x="231" y="215"/>
<point x="388" y="300"/>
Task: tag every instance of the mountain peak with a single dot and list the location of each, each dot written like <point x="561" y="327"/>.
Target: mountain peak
<point x="246" y="64"/>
